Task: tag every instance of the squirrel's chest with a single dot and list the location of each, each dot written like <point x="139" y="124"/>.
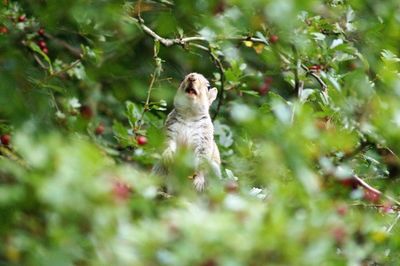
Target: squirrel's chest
<point x="187" y="134"/>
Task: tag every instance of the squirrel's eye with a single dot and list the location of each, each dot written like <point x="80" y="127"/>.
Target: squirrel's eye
<point x="208" y="87"/>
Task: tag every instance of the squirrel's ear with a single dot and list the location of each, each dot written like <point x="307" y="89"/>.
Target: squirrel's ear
<point x="212" y="95"/>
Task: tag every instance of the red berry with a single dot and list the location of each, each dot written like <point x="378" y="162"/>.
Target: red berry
<point x="121" y="190"/>
<point x="342" y="209"/>
<point x="266" y="86"/>
<point x="371" y="196"/>
<point x="350" y="182"/>
<point x="315" y="68"/>
<point x="3" y="30"/>
<point x="321" y="124"/>
<point x="273" y="38"/>
<point x="220" y="7"/>
<point x="86" y="112"/>
<point x="41" y="31"/>
<point x="42" y="44"/>
<point x="352" y="65"/>
<point x="209" y="262"/>
<point x="268" y="80"/>
<point x="339" y="234"/>
<point x="231" y="186"/>
<point x="141" y="140"/>
<point x="99" y="129"/>
<point x="5" y="139"/>
<point x="263" y="89"/>
<point x="21" y="18"/>
<point x="45" y="50"/>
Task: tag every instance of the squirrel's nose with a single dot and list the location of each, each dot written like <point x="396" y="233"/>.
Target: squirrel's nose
<point x="191" y="78"/>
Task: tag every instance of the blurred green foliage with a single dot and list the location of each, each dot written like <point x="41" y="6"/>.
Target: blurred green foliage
<point x="310" y="104"/>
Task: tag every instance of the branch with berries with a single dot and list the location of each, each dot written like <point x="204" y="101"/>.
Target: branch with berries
<point x="206" y="45"/>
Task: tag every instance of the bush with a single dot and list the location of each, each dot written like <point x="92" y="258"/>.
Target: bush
<point x="307" y="121"/>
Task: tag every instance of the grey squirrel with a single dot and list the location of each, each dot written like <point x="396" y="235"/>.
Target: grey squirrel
<point x="189" y="124"/>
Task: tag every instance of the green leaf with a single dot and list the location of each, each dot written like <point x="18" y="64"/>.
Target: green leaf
<point x="133" y="113"/>
<point x="389" y="56"/>
<point x="124" y="136"/>
<point x="37" y="49"/>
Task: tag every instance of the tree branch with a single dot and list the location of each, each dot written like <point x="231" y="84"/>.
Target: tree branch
<point x="167" y="42"/>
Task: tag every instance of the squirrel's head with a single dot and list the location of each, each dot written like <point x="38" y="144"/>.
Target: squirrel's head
<point x="195" y="95"/>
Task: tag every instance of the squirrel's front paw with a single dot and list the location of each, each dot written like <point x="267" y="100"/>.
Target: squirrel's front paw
<point x="199" y="182"/>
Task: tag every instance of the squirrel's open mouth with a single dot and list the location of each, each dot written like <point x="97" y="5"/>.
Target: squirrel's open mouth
<point x="189" y="90"/>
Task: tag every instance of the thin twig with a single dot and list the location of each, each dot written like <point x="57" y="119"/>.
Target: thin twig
<point x="146" y="104"/>
<point x="365" y="185"/>
<point x="199" y="46"/>
<point x="7" y="152"/>
<point x="391" y="152"/>
<point x="165" y="42"/>
<point x="221" y="70"/>
<point x="73" y="50"/>
<point x="41" y="64"/>
<point x="300" y="90"/>
<point x="394" y="208"/>
<point x="316" y="77"/>
<point x="393" y="224"/>
<point x="296" y="71"/>
<point x="140" y="10"/>
<point x="154" y="76"/>
<point x="53" y="98"/>
<point x="65" y="69"/>
<point x="298" y="85"/>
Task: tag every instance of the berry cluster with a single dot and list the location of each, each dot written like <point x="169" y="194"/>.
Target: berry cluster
<point x="21" y="22"/>
<point x="42" y="43"/>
